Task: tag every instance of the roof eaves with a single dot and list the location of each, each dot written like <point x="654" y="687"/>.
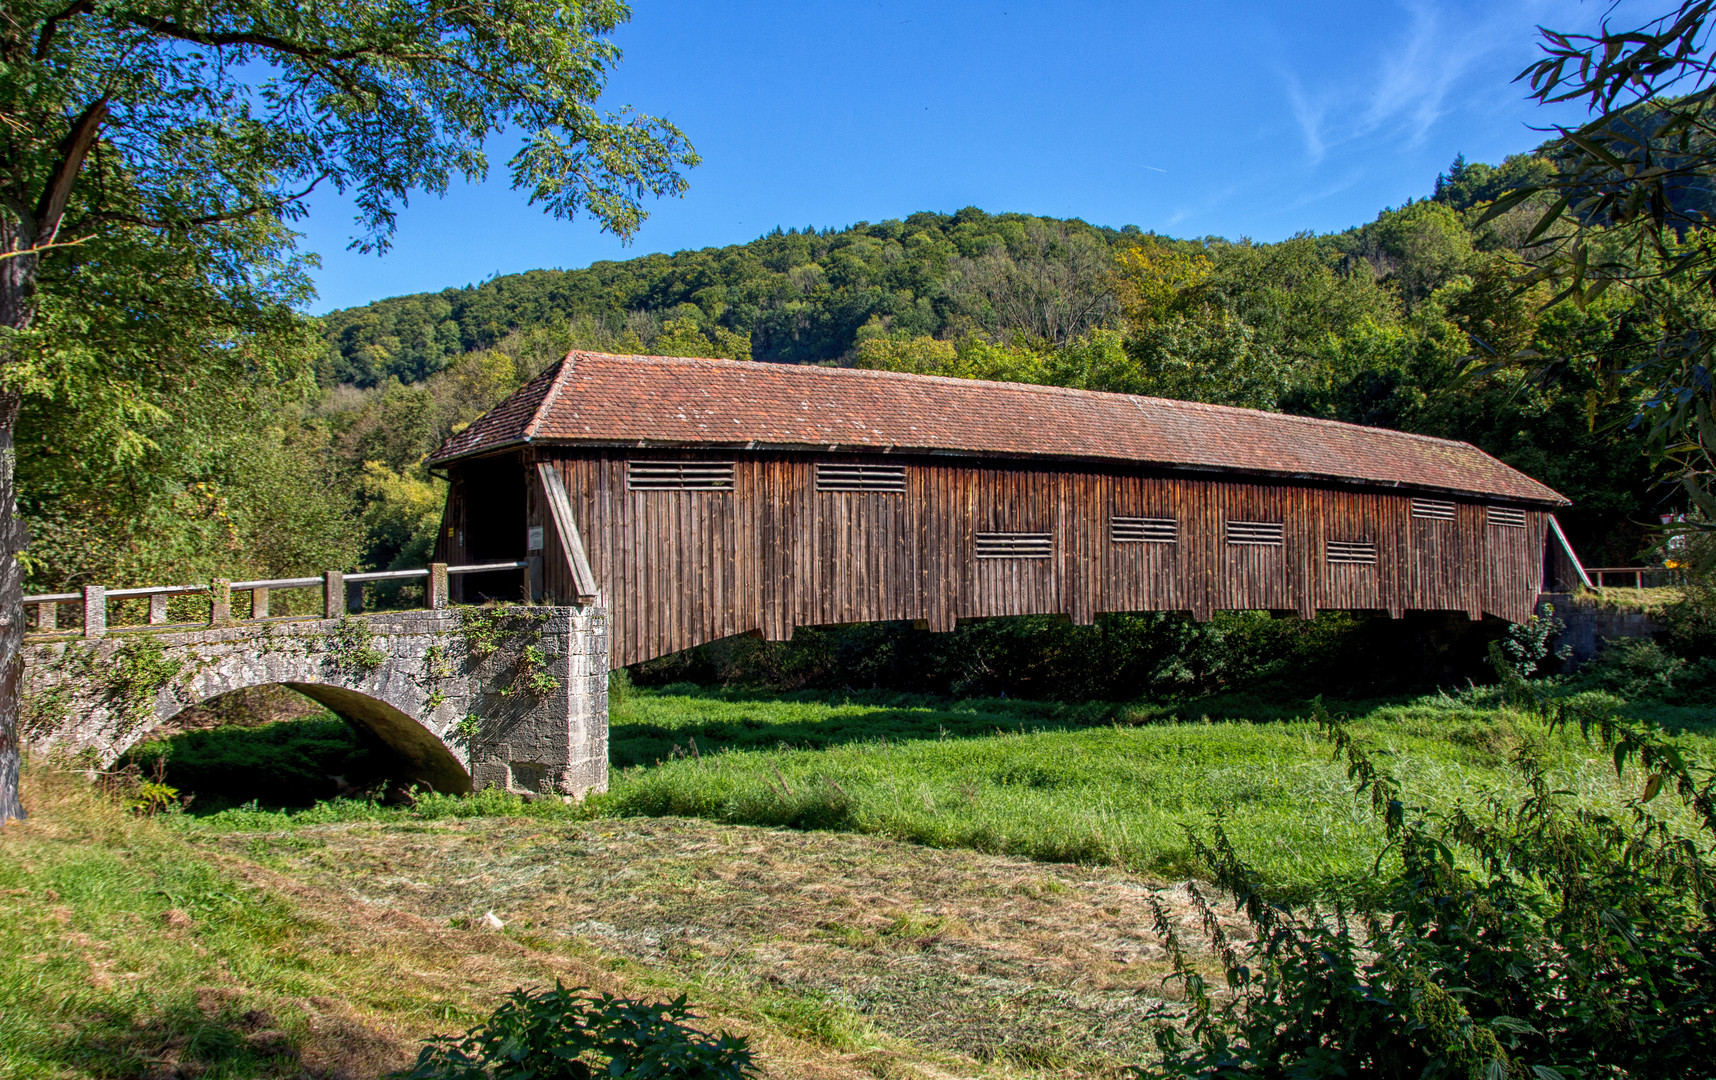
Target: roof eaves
<point x="1548" y="496"/>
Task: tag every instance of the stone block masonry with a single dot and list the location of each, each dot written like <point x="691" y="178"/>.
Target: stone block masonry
<point x="471" y="698"/>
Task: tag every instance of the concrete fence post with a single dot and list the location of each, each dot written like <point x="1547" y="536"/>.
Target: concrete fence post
<point x="47" y="616"/>
<point x="259" y="603"/>
<point x="94" y="610"/>
<point x="333" y="594"/>
<point x="220" y="602"/>
<point x="157" y="608"/>
<point x="437" y="586"/>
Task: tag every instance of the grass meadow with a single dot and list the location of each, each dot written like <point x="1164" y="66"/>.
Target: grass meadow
<point x="1091" y="782"/>
<point x="1088" y="783"/>
<point x="808" y="867"/>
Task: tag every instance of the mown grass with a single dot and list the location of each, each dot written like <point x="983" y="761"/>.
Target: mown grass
<point x="130" y="951"/>
<point x="1084" y="782"/>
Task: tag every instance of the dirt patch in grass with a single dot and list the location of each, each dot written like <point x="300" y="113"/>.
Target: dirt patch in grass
<point x="851" y="941"/>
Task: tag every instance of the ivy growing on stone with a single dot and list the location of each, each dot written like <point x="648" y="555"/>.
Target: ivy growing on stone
<point x="352" y="646"/>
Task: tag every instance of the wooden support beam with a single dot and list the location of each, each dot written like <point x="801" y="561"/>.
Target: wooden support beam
<point x="560" y="512"/>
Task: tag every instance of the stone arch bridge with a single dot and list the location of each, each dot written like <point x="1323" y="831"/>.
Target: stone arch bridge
<point x="471" y="697"/>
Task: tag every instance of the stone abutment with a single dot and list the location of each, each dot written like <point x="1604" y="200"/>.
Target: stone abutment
<point x="471" y="698"/>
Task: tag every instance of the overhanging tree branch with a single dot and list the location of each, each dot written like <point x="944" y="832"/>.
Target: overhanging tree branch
<point x="73" y="149"/>
<point x="52" y="25"/>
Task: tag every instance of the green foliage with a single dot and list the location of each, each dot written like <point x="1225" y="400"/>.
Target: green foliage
<point x="531" y="675"/>
<point x="152" y="282"/>
<point x="352" y="646"/>
<point x="1528" y="644"/>
<point x="796" y="296"/>
<point x="484" y="629"/>
<point x="144" y="797"/>
<point x="1629" y="208"/>
<point x="1162" y="655"/>
<point x="1529" y="936"/>
<point x="148" y="453"/>
<point x="567" y="1034"/>
<point x="1637" y="668"/>
<point x="468" y="729"/>
<point x="400" y="516"/>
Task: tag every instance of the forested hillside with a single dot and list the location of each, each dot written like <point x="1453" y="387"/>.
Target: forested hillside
<point x="1389" y="323"/>
<point x="790" y="296"/>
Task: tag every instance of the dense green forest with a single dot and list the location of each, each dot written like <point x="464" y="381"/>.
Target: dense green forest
<point x="1388" y="323"/>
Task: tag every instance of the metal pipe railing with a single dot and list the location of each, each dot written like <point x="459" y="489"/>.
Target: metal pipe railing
<point x="1597" y="573"/>
<point x="341" y="593"/>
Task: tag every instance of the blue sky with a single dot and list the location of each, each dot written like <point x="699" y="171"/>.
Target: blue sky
<point x="1190" y="119"/>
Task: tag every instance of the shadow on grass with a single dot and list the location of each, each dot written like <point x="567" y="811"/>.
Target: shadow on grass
<point x="671" y="721"/>
<point x="290" y="763"/>
<point x="179" y="1042"/>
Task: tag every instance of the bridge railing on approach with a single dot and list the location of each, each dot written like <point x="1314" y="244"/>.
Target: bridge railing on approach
<point x="341" y="593"/>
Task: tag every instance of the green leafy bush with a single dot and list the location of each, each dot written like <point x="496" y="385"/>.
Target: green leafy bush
<point x="567" y="1034"/>
<point x="1528" y="644"/>
<point x="1639" y="669"/>
<point x="1538" y="939"/>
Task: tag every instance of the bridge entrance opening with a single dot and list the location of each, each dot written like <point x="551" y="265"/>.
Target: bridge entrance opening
<point x="295" y="744"/>
<point x="493" y="497"/>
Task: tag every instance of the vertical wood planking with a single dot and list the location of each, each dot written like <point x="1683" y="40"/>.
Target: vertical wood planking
<point x="684" y="567"/>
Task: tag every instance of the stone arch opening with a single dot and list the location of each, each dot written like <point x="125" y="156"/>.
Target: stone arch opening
<point x="407" y="749"/>
<point x="429" y="758"/>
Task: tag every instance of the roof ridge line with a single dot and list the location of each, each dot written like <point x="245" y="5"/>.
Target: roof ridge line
<point x="1044" y="388"/>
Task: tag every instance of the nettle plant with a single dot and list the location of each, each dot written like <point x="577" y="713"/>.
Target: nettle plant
<point x="568" y="1034"/>
<point x="1537" y="939"/>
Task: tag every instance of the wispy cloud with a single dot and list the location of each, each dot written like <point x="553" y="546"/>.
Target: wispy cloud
<point x="1310" y="118"/>
<point x="1414" y="82"/>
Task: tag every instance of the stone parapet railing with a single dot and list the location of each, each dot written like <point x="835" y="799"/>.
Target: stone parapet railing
<point x="341" y="593"/>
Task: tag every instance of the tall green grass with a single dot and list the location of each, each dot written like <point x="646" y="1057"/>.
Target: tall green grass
<point x="1091" y="782"/>
<point x="1088" y="782"/>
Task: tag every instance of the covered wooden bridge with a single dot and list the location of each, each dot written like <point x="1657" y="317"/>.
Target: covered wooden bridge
<point x="706" y="498"/>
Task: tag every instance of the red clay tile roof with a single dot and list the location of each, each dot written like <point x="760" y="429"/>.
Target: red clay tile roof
<point x="673" y="401"/>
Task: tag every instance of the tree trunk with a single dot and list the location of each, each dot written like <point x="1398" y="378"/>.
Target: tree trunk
<point x="12" y="540"/>
<point x="17" y="295"/>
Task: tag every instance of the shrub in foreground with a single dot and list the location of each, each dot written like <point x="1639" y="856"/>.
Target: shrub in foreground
<point x="566" y="1034"/>
<point x="1542" y="940"/>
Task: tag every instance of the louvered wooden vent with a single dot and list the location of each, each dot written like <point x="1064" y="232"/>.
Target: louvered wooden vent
<point x="1505" y="518"/>
<point x="1014" y="545"/>
<point x="679" y="475"/>
<point x="1354" y="551"/>
<point x="1256" y="533"/>
<point x="1143" y="530"/>
<point x="1433" y="509"/>
<point x="834" y="477"/>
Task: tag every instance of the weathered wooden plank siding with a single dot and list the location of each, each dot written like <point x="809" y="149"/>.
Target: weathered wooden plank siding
<point x="680" y="568"/>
